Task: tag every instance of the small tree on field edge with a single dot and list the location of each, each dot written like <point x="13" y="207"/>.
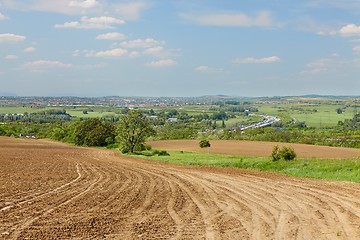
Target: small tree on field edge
<point x="204" y="143"/>
<point x="285" y="153"/>
<point x="133" y="129"/>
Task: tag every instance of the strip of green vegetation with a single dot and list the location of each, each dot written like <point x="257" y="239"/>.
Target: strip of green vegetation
<point x="332" y="169"/>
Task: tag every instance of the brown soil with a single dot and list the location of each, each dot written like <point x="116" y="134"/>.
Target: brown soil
<point x="54" y="191"/>
<point x="261" y="149"/>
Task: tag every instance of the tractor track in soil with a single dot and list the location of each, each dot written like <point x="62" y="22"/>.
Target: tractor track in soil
<point x="54" y="191"/>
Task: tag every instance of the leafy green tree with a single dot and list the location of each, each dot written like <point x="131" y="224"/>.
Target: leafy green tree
<point x="133" y="129"/>
<point x="93" y="132"/>
<point x="339" y="111"/>
<point x="176" y="130"/>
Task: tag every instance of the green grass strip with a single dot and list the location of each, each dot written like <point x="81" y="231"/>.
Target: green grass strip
<point x="331" y="169"/>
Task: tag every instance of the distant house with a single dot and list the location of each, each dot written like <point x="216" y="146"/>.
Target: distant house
<point x="172" y="120"/>
<point x="153" y="118"/>
<point x="27" y="136"/>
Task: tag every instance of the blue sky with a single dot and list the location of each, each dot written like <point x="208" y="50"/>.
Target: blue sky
<point x="179" y="47"/>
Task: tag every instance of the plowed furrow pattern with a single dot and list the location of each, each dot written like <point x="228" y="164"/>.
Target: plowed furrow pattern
<point x="55" y="191"/>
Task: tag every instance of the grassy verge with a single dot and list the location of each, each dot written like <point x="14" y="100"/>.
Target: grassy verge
<point x="332" y="169"/>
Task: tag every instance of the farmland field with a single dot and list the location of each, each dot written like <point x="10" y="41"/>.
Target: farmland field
<point x="253" y="148"/>
<point x="55" y="191"/>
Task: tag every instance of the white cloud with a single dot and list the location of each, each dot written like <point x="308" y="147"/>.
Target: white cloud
<point x="262" y="19"/>
<point x="117" y="52"/>
<point x="315" y="71"/>
<point x="356" y="50"/>
<point x="141" y="43"/>
<point x="42" y="65"/>
<point x="308" y="24"/>
<point x="350" y="30"/>
<point x="161" y="52"/>
<point x="161" y="63"/>
<point x="84" y="4"/>
<point x="134" y="54"/>
<point x="29" y="50"/>
<point x="271" y="59"/>
<point x="204" y="68"/>
<point x="69" y="7"/>
<point x="76" y="53"/>
<point x="3" y="17"/>
<point x="103" y="22"/>
<point x="154" y="50"/>
<point x="111" y="36"/>
<point x="327" y="64"/>
<point x="11" y="57"/>
<point x="130" y="10"/>
<point x="320" y="63"/>
<point x="11" y="38"/>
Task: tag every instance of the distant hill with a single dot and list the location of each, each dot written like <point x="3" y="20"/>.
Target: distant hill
<point x="327" y="96"/>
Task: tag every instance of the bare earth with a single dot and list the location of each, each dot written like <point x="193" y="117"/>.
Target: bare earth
<point x="252" y="148"/>
<point x="55" y="191"/>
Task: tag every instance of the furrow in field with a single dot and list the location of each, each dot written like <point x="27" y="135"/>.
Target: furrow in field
<point x="44" y="206"/>
<point x="99" y="194"/>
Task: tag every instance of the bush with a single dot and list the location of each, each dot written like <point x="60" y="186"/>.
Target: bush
<point x="285" y="153"/>
<point x="147" y="147"/>
<point x="204" y="143"/>
<point x="161" y="153"/>
<point x="112" y="146"/>
<point x="275" y="153"/>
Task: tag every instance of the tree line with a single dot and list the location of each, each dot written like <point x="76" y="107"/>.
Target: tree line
<point x="133" y="128"/>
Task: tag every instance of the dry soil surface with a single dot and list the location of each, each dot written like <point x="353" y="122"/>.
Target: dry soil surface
<point x="253" y="148"/>
<point x="55" y="191"/>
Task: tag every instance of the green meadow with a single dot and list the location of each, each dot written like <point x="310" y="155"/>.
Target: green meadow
<point x="330" y="169"/>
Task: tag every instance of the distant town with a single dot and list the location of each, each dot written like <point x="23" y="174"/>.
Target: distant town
<point x="113" y="101"/>
<point x="139" y="102"/>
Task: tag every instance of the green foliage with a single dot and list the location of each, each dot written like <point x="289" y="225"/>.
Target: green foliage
<point x="275" y="153"/>
<point x="2" y="132"/>
<point x="177" y="130"/>
<point x="147" y="147"/>
<point x="133" y="129"/>
<point x="284" y="153"/>
<point x="149" y="153"/>
<point x="204" y="143"/>
<point x="93" y="132"/>
<point x="161" y="153"/>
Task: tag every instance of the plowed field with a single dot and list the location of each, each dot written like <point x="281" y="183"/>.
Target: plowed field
<point x="253" y="148"/>
<point x="55" y="191"/>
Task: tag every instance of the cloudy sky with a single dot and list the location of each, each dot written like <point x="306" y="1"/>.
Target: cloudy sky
<point x="179" y="47"/>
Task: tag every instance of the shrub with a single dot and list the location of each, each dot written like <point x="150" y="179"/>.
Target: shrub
<point x="275" y="153"/>
<point x="161" y="153"/>
<point x="112" y="146"/>
<point x="285" y="153"/>
<point x="147" y="147"/>
<point x="204" y="143"/>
